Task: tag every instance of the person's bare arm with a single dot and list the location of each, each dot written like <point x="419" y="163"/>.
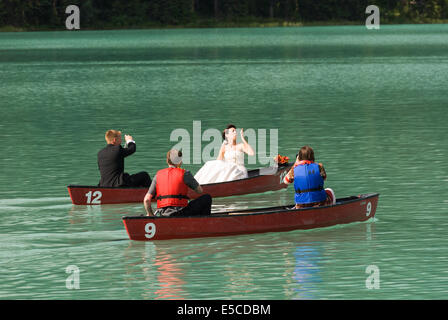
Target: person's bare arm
<point x="149" y="196"/>
<point x="221" y="152"/>
<point x="246" y="146"/>
<point x="289" y="178"/>
<point x="322" y="171"/>
<point x="147" y="204"/>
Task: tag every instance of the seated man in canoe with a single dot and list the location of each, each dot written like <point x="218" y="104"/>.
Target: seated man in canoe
<point x="111" y="163"/>
<point x="170" y="187"/>
<point x="308" y="178"/>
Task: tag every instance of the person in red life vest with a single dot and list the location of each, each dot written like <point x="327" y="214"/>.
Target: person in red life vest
<point x="308" y="178"/>
<point x="170" y="188"/>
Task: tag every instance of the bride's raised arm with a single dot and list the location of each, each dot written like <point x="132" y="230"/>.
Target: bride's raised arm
<point x="245" y="146"/>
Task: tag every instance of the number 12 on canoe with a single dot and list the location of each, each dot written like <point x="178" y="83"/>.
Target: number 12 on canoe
<point x="94" y="197"/>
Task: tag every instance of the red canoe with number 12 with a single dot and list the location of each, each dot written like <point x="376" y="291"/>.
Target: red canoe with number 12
<point x="259" y="180"/>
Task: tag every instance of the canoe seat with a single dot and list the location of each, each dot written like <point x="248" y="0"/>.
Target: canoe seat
<point x="253" y="173"/>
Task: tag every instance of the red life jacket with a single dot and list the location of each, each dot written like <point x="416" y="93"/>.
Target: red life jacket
<point x="171" y="191"/>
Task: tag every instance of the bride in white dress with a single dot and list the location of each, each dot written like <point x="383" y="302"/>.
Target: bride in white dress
<point x="230" y="162"/>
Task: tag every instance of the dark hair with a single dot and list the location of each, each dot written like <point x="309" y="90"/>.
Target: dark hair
<point x="224" y="131"/>
<point x="306" y="153"/>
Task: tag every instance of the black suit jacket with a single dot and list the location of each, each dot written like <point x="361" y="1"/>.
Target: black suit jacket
<point x="111" y="165"/>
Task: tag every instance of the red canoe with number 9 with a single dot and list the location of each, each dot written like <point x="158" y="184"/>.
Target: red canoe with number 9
<point x="275" y="219"/>
<point x="259" y="180"/>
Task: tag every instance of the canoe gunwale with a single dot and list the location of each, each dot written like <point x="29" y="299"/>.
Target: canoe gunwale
<point x="279" y="167"/>
<point x="263" y="211"/>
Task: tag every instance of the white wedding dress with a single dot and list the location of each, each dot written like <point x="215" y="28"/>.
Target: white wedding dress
<point x="231" y="168"/>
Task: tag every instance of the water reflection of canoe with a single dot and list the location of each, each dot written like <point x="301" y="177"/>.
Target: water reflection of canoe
<point x="259" y="180"/>
<point x="274" y="219"/>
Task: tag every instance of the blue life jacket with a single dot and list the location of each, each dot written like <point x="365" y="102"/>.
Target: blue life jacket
<point x="309" y="184"/>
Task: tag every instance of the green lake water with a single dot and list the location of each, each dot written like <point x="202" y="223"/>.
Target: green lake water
<point x="372" y="104"/>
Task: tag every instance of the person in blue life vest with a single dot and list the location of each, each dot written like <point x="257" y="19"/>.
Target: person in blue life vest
<point x="170" y="187"/>
<point x="308" y="178"/>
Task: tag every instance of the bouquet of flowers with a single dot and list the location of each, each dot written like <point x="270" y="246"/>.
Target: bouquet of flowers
<point x="281" y="159"/>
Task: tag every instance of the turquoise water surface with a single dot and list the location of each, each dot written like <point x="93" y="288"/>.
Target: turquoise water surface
<point x="372" y="104"/>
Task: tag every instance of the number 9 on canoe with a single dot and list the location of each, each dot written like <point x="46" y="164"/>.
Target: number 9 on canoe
<point x="150" y="229"/>
<point x="369" y="209"/>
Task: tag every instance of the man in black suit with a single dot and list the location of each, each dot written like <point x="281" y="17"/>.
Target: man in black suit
<point x="111" y="163"/>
